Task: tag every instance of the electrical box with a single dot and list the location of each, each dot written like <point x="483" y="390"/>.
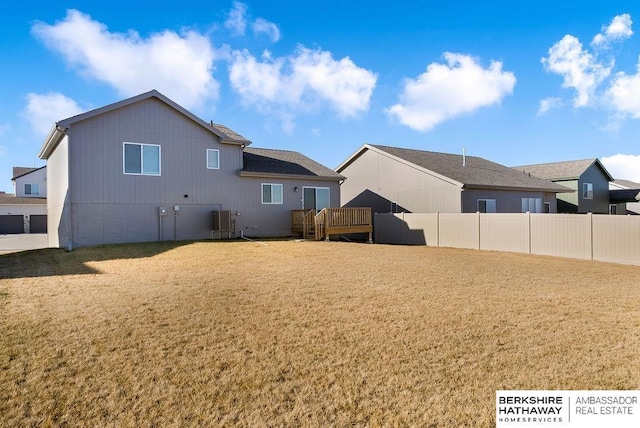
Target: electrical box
<point x="162" y="211"/>
<point x="176" y="208"/>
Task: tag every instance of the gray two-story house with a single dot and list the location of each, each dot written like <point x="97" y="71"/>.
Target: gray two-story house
<point x="587" y="177"/>
<point x="146" y="169"/>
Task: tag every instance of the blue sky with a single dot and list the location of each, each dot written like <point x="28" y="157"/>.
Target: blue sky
<point x="513" y="82"/>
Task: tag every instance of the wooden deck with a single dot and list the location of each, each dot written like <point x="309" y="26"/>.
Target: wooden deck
<point x="331" y="221"/>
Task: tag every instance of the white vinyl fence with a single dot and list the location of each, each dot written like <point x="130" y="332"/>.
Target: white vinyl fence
<point x="608" y="238"/>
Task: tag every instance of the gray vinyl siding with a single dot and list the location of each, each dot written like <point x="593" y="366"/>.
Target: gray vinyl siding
<point x="376" y="180"/>
<point x="104" y="205"/>
<point x="257" y="219"/>
<point x="507" y="201"/>
<point x="600" y="202"/>
<point x="97" y="176"/>
<point x="109" y="206"/>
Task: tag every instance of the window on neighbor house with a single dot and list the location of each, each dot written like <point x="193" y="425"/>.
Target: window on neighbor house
<point x="32" y="189"/>
<point x="532" y="205"/>
<point x="487" y="205"/>
<point x="141" y="159"/>
<point x="613" y="209"/>
<point x="213" y="159"/>
<point x="587" y="190"/>
<point x="271" y="193"/>
<point x="547" y="207"/>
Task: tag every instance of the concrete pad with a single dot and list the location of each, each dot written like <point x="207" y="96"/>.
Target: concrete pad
<point x="22" y="242"/>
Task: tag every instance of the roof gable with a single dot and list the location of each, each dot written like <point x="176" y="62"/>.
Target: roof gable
<point x="467" y="171"/>
<point x="59" y="129"/>
<point x="20" y="171"/>
<point x="270" y="162"/>
<point x="565" y="170"/>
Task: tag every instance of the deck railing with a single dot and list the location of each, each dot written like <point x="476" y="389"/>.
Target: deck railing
<point x="331" y="221"/>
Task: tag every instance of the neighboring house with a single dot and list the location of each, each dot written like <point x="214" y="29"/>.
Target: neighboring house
<point x="624" y="197"/>
<point x="146" y="169"/>
<point x="588" y="177"/>
<point x="392" y="179"/>
<point x="30" y="182"/>
<point x="22" y="215"/>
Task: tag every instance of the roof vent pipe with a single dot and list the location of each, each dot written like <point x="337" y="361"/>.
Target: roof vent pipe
<point x="464" y="156"/>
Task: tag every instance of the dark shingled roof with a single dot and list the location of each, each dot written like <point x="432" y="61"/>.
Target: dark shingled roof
<point x="270" y="161"/>
<point x="11" y="199"/>
<point x="566" y="170"/>
<point x="477" y="172"/>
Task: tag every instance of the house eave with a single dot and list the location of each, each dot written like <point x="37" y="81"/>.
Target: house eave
<point x="56" y="134"/>
<point x="519" y="189"/>
<point x="255" y="174"/>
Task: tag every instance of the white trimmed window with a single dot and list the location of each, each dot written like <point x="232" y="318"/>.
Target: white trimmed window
<point x="271" y="193"/>
<point x="532" y="205"/>
<point x="213" y="159"/>
<point x="32" y="189"/>
<point x="316" y="198"/>
<point x="587" y="190"/>
<point x="141" y="159"/>
<point x="487" y="205"/>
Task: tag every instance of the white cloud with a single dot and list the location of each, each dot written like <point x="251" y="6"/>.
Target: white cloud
<point x="305" y="80"/>
<point x="237" y="19"/>
<point x="624" y="94"/>
<point x="178" y="65"/>
<point x="579" y="69"/>
<point x="548" y="104"/>
<point x="262" y="26"/>
<point x="618" y="29"/>
<point x="624" y="167"/>
<point x="43" y="110"/>
<point x="445" y="91"/>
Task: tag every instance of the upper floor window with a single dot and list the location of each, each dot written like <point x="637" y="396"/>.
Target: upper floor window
<point x="213" y="159"/>
<point x="487" y="205"/>
<point x="32" y="189"/>
<point x="271" y="193"/>
<point x="587" y="190"/>
<point x="141" y="159"/>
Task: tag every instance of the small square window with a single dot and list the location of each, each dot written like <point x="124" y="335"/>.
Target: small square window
<point x="32" y="189"/>
<point x="213" y="159"/>
<point x="271" y="193"/>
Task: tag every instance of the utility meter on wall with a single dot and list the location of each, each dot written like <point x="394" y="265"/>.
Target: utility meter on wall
<point x="176" y="208"/>
<point x="162" y="210"/>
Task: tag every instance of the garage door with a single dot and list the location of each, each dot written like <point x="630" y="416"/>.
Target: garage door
<point x="38" y="224"/>
<point x="11" y="224"/>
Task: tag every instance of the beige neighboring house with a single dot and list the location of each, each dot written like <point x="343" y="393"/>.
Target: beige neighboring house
<point x="621" y="192"/>
<point x="395" y="179"/>
<point x="25" y="211"/>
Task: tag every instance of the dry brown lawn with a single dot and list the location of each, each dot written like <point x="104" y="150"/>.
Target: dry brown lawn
<point x="303" y="334"/>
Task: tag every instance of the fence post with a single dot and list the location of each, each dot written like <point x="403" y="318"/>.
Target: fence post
<point x="478" y="213"/>
<point x="438" y="229"/>
<point x="590" y="214"/>
<point x="529" y="227"/>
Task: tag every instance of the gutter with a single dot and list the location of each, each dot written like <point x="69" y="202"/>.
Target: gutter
<point x="56" y="134"/>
